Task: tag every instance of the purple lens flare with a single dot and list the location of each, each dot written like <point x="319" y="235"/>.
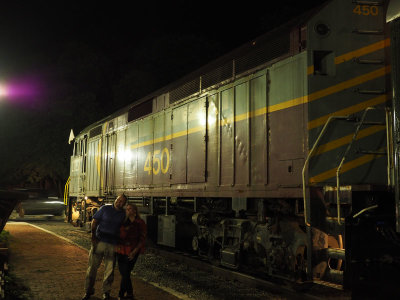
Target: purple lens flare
<point x="27" y="90"/>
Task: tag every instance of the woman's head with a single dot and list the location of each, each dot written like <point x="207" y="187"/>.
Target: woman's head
<point x="132" y="210"/>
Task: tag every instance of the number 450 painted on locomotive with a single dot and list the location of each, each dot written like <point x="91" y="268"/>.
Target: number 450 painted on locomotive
<point x="160" y="161"/>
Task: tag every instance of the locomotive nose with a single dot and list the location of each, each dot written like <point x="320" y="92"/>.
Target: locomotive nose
<point x="393" y="17"/>
<point x="393" y="11"/>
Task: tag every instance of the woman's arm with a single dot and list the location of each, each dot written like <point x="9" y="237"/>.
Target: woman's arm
<point x="142" y="239"/>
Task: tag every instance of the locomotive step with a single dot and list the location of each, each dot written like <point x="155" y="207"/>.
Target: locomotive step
<point x="329" y="284"/>
<point x="334" y="219"/>
<point x="334" y="253"/>
<point x="334" y="276"/>
<point x="333" y="225"/>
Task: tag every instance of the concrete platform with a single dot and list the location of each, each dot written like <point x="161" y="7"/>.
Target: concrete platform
<point x="54" y="268"/>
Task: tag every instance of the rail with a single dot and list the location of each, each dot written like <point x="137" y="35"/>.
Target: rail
<point x="310" y="153"/>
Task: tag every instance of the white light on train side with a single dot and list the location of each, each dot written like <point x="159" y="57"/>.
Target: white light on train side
<point x="212" y="114"/>
<point x="201" y="118"/>
<point x="124" y="155"/>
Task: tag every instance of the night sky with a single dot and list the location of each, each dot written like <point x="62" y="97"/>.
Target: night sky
<point x="33" y="33"/>
<point x="67" y="64"/>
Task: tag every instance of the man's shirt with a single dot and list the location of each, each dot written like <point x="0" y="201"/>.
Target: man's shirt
<point x="110" y="221"/>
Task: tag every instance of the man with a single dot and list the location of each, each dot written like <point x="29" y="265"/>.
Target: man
<point x="105" y="231"/>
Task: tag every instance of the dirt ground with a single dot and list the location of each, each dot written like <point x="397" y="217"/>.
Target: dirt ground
<point x="53" y="268"/>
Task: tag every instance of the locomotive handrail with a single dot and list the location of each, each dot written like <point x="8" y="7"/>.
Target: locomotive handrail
<point x="66" y="190"/>
<point x="342" y="161"/>
<point x="364" y="210"/>
<point x="331" y="118"/>
<point x="389" y="145"/>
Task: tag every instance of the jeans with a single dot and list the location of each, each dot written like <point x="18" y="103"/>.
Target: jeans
<point x="125" y="267"/>
<point x="97" y="253"/>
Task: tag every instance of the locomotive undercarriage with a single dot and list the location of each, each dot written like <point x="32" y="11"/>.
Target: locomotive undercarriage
<point x="266" y="238"/>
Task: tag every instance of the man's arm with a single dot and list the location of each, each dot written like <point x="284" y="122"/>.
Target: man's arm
<point x="95" y="223"/>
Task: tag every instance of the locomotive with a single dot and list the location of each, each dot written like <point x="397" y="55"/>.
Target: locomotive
<point x="280" y="158"/>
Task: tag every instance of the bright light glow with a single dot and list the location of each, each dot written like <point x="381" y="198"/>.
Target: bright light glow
<point x="201" y="116"/>
<point x="54" y="202"/>
<point x="212" y="114"/>
<point x="124" y="155"/>
<point x="3" y="90"/>
<point x="22" y="90"/>
<point x="211" y="120"/>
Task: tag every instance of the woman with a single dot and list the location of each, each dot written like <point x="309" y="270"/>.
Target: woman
<point x="132" y="239"/>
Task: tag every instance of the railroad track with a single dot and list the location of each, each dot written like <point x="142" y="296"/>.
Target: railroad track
<point x="295" y="291"/>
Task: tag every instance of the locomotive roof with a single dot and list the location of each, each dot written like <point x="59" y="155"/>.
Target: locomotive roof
<point x="238" y="52"/>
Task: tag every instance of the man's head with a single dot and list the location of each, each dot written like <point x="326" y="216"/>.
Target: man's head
<point x="120" y="202"/>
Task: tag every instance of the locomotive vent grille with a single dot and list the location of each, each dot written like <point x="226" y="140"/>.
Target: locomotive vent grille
<point x="185" y="90"/>
<point x="264" y="52"/>
<point x="260" y="53"/>
<point x="95" y="131"/>
<point x="140" y="110"/>
<point x="221" y="73"/>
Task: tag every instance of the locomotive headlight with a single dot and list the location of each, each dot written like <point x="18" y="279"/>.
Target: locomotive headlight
<point x="322" y="29"/>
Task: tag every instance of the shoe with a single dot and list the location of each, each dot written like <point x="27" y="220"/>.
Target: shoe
<point x="106" y="296"/>
<point x="86" y="296"/>
<point x="129" y="297"/>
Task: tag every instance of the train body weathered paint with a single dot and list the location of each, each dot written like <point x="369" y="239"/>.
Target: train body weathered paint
<point x="280" y="157"/>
